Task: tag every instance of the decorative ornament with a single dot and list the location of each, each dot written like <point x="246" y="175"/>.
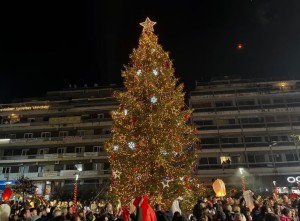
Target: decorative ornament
<point x="153" y="100"/>
<point x="165" y="184"/>
<point x="116" y="174"/>
<point x="125" y="112"/>
<point x="196" y="131"/>
<point x="134" y="168"/>
<point x="185" y="178"/>
<point x="148" y="25"/>
<point x="155" y="72"/>
<point x="139" y="72"/>
<point x="131" y="145"/>
<point x="116" y="147"/>
<point x="188" y="116"/>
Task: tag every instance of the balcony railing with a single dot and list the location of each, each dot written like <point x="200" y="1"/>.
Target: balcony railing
<point x="35" y="141"/>
<point x="63" y="174"/>
<point x="249" y="165"/>
<point x="53" y="156"/>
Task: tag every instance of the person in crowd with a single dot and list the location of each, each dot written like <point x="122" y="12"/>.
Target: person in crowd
<point x="160" y="216"/>
<point x="197" y="210"/>
<point x="285" y="214"/>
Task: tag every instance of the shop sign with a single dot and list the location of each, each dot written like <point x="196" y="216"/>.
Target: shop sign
<point x="291" y="179"/>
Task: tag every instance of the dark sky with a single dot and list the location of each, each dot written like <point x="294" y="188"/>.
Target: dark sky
<point x="46" y="45"/>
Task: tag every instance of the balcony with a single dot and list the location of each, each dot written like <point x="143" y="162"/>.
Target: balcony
<point x="53" y="157"/>
<point x="58" y="175"/>
<point x="44" y="125"/>
<point x="53" y="140"/>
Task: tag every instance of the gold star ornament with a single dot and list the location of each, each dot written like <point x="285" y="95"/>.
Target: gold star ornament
<point x="148" y="25"/>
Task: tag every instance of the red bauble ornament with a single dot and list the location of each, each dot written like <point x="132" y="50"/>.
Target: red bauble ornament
<point x="6" y="194"/>
<point x="134" y="168"/>
<point x="196" y="131"/>
<point x="185" y="178"/>
<point x="188" y="186"/>
<point x="112" y="157"/>
<point x="133" y="120"/>
<point x="167" y="64"/>
<point x="188" y="116"/>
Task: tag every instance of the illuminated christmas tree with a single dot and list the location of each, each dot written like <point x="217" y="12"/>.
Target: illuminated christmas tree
<point x="152" y="147"/>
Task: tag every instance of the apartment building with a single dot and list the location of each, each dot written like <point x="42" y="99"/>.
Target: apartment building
<point x="51" y="139"/>
<point x="249" y="126"/>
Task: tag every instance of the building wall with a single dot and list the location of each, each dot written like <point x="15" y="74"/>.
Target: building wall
<point x="250" y="124"/>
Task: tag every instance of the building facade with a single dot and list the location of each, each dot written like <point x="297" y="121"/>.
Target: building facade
<point x="51" y="139"/>
<point x="249" y="126"/>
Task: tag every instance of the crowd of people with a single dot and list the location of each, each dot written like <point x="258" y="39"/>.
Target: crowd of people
<point x="208" y="208"/>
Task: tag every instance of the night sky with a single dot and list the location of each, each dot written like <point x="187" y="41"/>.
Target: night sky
<point x="47" y="45"/>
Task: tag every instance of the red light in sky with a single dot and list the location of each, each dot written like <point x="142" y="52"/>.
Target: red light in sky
<point x="240" y="46"/>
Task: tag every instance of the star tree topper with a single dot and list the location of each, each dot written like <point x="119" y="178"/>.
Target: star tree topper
<point x="148" y="25"/>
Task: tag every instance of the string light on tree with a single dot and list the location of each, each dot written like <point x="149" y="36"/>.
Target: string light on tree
<point x="153" y="131"/>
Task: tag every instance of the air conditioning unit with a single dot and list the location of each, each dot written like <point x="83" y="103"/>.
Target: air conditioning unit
<point x="56" y="162"/>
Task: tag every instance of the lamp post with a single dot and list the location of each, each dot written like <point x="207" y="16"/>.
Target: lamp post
<point x="75" y="193"/>
<point x="243" y="179"/>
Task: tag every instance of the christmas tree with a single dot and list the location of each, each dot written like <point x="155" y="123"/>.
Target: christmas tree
<point x="152" y="146"/>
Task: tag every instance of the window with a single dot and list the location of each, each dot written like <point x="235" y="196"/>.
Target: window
<point x="43" y="151"/>
<point x="278" y="101"/>
<point x="61" y="150"/>
<point x="205" y="122"/>
<point x="246" y="103"/>
<point x="6" y="170"/>
<point x="88" y="166"/>
<point x="291" y="157"/>
<point x="256" y="158"/>
<point x="79" y="149"/>
<point x="229" y="140"/>
<point x="33" y="169"/>
<point x="11" y="136"/>
<point x="58" y="167"/>
<point x="46" y="134"/>
<point x="24" y="152"/>
<point x="203" y="160"/>
<point x="81" y="133"/>
<point x="224" y="104"/>
<point x="63" y="133"/>
<point x="284" y="138"/>
<point x="212" y="160"/>
<point x="253" y="139"/>
<point x="70" y="167"/>
<point x="265" y="101"/>
<point x="100" y="116"/>
<point x="31" y="119"/>
<point x="28" y="135"/>
<point x="210" y="141"/>
<point x="97" y="149"/>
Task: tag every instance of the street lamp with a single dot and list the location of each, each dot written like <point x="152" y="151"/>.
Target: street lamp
<point x="243" y="179"/>
<point x="79" y="168"/>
